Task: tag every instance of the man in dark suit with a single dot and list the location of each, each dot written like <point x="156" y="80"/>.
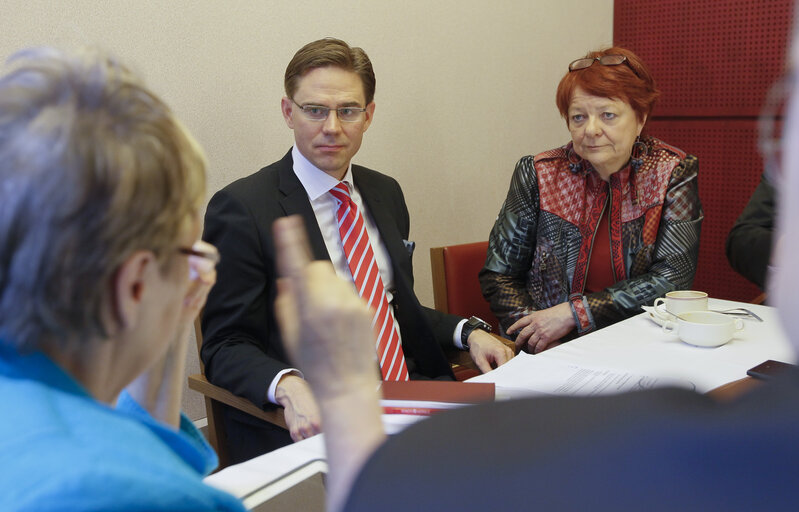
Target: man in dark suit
<point x="329" y="105"/>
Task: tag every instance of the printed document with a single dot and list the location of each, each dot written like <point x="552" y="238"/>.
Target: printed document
<point x="528" y="374"/>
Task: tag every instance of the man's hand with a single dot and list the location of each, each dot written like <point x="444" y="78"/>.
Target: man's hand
<point x="300" y="409"/>
<point x="487" y="351"/>
<point x="543" y="329"/>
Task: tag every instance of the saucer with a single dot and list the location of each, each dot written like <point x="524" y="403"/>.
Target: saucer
<point x="650" y="310"/>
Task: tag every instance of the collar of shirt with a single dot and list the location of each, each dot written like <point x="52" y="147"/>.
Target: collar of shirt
<point x="37" y="366"/>
<point x="315" y="181"/>
<point x="317" y="184"/>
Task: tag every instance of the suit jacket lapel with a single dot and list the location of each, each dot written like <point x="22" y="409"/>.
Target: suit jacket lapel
<point x="384" y="219"/>
<point x="294" y="200"/>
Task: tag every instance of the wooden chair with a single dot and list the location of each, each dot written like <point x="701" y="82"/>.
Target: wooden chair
<point x="456" y="290"/>
<point x="216" y="398"/>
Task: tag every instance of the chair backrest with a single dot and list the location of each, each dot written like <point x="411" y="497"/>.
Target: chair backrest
<point x="198" y="335"/>
<point x="217" y="398"/>
<point x="456" y="289"/>
<point x="216" y="434"/>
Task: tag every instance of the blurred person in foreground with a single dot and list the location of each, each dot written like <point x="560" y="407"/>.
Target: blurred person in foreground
<point x="593" y="230"/>
<point x="666" y="449"/>
<point x="101" y="276"/>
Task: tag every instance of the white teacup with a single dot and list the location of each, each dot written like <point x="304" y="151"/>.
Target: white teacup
<point x="704" y="328"/>
<point x="680" y="301"/>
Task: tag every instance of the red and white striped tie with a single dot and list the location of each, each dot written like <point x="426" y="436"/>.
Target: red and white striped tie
<point x="363" y="265"/>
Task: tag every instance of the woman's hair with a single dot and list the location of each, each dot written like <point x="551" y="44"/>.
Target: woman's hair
<point x="93" y="166"/>
<point x="636" y="88"/>
<point x="330" y="52"/>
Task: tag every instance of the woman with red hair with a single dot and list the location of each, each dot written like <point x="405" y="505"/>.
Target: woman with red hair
<point x="593" y="230"/>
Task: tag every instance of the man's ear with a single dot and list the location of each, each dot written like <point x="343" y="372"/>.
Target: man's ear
<point x="287" y="107"/>
<point x="369" y="114"/>
<point x="128" y="288"/>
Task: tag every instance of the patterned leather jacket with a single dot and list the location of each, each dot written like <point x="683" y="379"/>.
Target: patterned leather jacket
<point x="541" y="243"/>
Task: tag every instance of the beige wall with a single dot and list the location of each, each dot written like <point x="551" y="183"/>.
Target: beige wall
<point x="464" y="87"/>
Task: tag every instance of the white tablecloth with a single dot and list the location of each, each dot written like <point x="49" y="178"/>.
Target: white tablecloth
<point x="640" y="346"/>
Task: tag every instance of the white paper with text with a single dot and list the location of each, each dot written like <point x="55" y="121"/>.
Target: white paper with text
<point x="527" y="374"/>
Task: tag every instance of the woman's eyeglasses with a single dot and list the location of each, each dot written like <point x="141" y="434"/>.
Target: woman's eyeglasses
<point x="605" y="60"/>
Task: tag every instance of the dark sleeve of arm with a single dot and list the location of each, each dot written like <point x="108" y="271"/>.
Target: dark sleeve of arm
<point x="443" y="325"/>
<point x="242" y="350"/>
<point x="749" y="240"/>
<point x="510" y="248"/>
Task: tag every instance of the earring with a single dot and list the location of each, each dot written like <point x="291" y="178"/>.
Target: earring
<point x="575" y="162"/>
<point x="639" y="152"/>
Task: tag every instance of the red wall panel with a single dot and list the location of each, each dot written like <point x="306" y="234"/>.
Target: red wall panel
<point x="709" y="58"/>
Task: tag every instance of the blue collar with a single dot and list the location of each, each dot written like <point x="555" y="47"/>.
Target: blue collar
<point x="36" y="366"/>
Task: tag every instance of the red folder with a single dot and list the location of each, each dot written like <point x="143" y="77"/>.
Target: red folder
<point x="424" y="397"/>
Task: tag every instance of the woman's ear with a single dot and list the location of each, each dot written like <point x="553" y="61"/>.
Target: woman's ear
<point x="128" y="285"/>
<point x="642" y="123"/>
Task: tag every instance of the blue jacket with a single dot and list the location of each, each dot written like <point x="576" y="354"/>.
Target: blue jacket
<point x="62" y="450"/>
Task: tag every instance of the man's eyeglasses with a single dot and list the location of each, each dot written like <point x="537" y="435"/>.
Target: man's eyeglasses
<point x="320" y="113"/>
<point x="206" y="254"/>
<point x="605" y="60"/>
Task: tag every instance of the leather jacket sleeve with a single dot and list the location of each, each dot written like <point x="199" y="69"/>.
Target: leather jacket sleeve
<point x="510" y="248"/>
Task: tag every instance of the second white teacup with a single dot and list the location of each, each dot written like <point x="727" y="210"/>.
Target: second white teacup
<point x="704" y="328"/>
<point x="680" y="301"/>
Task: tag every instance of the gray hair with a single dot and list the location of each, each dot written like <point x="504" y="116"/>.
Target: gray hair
<point x="93" y="166"/>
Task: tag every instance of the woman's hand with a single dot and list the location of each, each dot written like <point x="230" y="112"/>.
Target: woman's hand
<point x="543" y="329"/>
<point x="159" y="389"/>
<point x="202" y="276"/>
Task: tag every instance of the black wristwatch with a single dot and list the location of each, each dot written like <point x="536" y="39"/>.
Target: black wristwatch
<point x="470" y="325"/>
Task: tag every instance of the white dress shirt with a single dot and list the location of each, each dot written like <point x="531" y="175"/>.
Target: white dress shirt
<point x="317" y="184"/>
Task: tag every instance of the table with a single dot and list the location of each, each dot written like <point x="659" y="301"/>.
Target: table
<point x="241" y="479"/>
<point x="635" y="345"/>
<point x="639" y="345"/>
